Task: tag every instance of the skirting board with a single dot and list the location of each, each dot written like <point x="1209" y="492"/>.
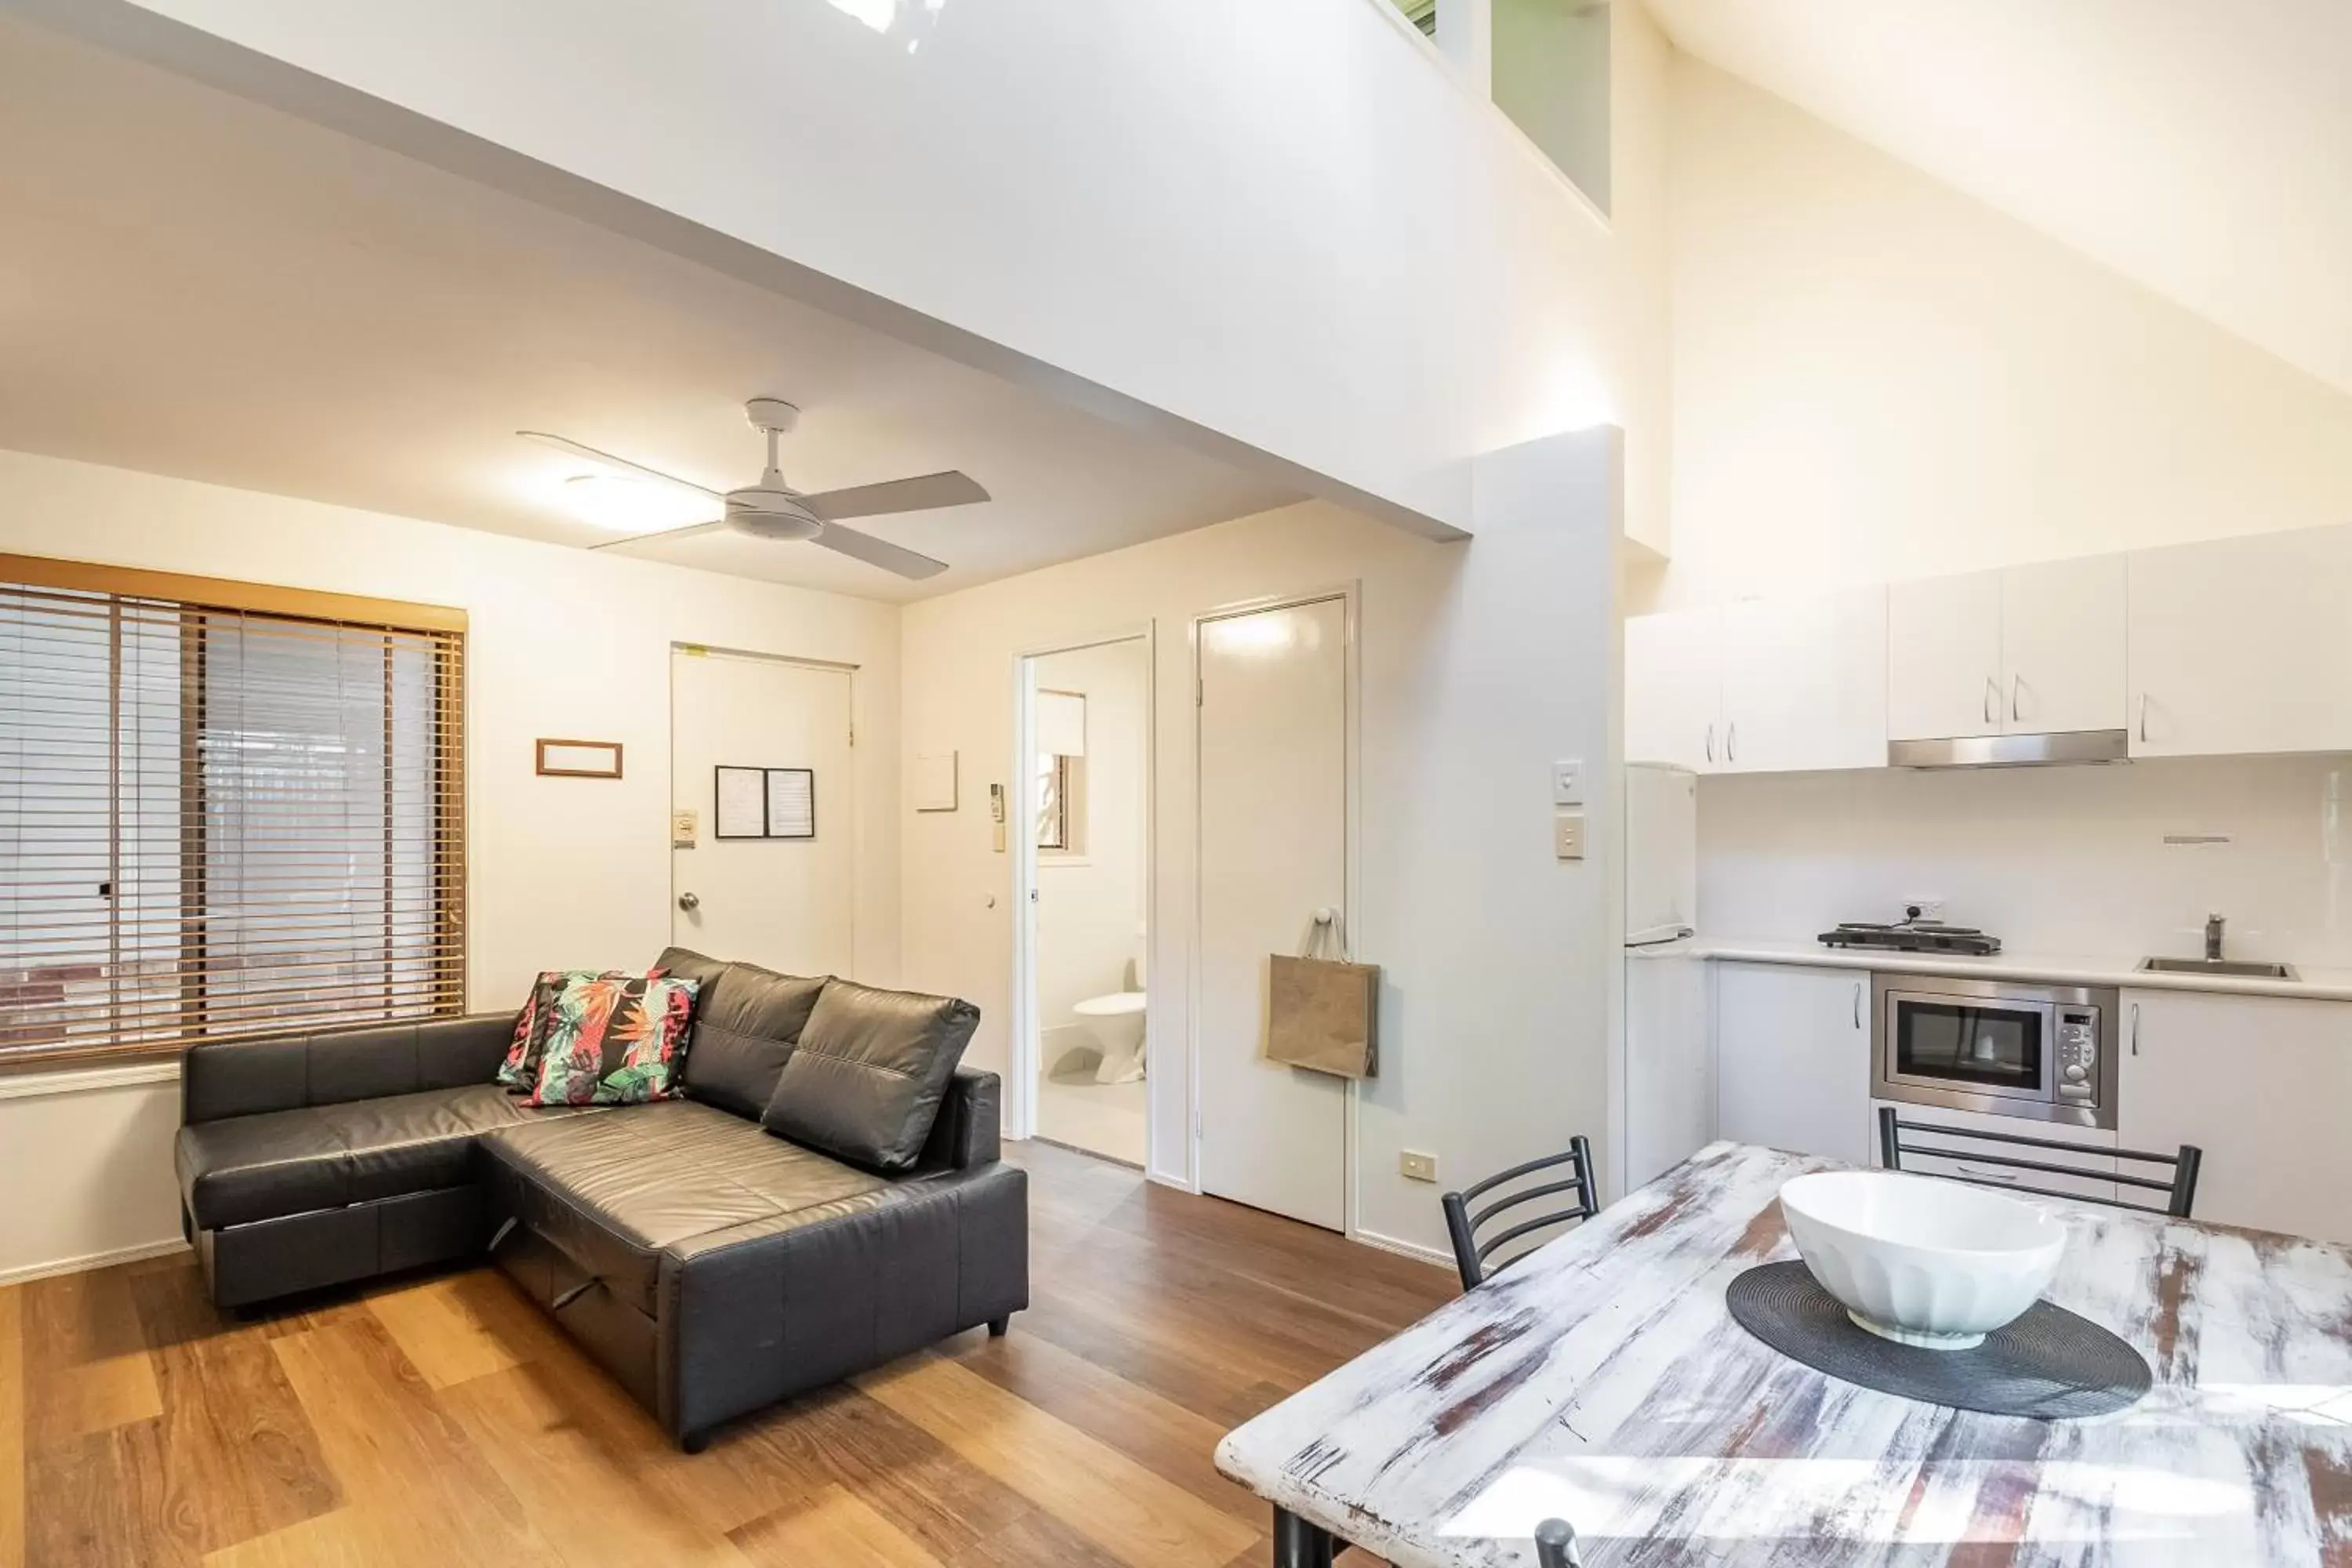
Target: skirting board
<point x="95" y="1260"/>
<point x="1406" y="1249"/>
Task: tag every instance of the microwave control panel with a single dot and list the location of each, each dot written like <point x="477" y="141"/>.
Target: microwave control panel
<point x="2078" y="1055"/>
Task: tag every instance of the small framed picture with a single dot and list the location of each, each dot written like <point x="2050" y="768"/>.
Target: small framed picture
<point x="741" y="808"/>
<point x="580" y="759"/>
<point x="791" y="803"/>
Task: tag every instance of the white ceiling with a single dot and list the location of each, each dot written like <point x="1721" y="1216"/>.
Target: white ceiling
<point x="2199" y="147"/>
<point x="191" y="284"/>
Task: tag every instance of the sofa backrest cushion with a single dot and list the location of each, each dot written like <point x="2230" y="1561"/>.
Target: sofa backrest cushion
<point x="865" y="1082"/>
<point x="747" y="1020"/>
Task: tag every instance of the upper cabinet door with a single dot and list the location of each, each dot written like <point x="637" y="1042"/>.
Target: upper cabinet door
<point x="2243" y="645"/>
<point x="1673" y="689"/>
<point x="1804" y="683"/>
<point x="1943" y="658"/>
<point x="2061" y="628"/>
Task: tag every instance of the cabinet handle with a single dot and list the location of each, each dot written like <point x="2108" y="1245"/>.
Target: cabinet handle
<point x="2016" y="687"/>
<point x="1991" y="695"/>
<point x="1710" y="739"/>
<point x="1857" y="1003"/>
<point x="2143" y="718"/>
<point x="1731" y="742"/>
<point x="1978" y="1174"/>
<point x="2134" y="1028"/>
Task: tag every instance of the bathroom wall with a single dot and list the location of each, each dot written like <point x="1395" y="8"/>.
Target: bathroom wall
<point x="1090" y="904"/>
<point x="2057" y="861"/>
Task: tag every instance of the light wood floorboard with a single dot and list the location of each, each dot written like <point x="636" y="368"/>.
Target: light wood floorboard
<point x="439" y="1419"/>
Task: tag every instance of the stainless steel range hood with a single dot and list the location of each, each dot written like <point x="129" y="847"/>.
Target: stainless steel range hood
<point x="2013" y="750"/>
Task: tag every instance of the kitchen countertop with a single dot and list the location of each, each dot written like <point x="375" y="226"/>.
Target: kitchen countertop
<point x="2314" y="984"/>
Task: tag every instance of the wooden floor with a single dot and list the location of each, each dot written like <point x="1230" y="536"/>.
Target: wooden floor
<point x="441" y="1420"/>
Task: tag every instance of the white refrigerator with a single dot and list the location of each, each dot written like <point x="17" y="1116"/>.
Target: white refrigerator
<point x="1669" y="1078"/>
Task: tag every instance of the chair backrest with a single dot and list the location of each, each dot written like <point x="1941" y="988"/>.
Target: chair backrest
<point x="2178" y="1181"/>
<point x="1556" y="1545"/>
<point x="1462" y="1223"/>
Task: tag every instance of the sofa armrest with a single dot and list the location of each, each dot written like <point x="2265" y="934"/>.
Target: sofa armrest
<point x="220" y="1078"/>
<point x="971" y="1123"/>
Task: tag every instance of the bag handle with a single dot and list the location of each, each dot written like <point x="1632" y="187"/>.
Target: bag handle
<point x="1327" y="927"/>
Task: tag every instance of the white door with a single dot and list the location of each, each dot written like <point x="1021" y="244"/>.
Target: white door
<point x="1274" y="850"/>
<point x="2062" y="646"/>
<point x="1792" y="1059"/>
<point x="2243" y="645"/>
<point x="1943" y="658"/>
<point x="786" y="902"/>
<point x="2259" y="1084"/>
<point x="1804" y="683"/>
<point x="1673" y="689"/>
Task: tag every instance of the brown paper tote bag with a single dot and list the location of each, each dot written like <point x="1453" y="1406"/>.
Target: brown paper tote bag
<point x="1320" y="1011"/>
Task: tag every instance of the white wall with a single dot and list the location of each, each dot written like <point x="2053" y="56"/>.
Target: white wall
<point x="1875" y="377"/>
<point x="1285" y="225"/>
<point x="1090" y="907"/>
<point x="562" y="643"/>
<point x="1479" y="663"/>
<point x="2056" y="861"/>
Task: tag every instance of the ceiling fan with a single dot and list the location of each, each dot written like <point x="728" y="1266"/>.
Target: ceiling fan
<point x="774" y="510"/>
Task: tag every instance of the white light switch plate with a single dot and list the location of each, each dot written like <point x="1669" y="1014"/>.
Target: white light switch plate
<point x="1417" y="1167"/>
<point x="1568" y="836"/>
<point x="1568" y="782"/>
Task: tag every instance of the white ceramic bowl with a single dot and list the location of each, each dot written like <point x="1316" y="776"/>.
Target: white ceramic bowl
<point x="1922" y="1261"/>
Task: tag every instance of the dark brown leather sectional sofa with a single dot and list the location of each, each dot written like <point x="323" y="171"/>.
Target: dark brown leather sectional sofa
<point x="714" y="1265"/>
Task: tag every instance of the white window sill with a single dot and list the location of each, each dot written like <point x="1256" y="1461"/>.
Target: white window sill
<point x="37" y="1085"/>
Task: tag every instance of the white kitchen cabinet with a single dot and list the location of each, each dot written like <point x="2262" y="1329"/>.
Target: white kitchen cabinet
<point x="2241" y="645"/>
<point x="1944" y="657"/>
<point x="1674" y="689"/>
<point x="2097" y="1180"/>
<point x="2262" y="1085"/>
<point x="2063" y="641"/>
<point x="1804" y="683"/>
<point x="1792" y="1059"/>
<point x="1669" y="1065"/>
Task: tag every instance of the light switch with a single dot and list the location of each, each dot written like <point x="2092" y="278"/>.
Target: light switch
<point x="1417" y="1167"/>
<point x="1568" y="782"/>
<point x="1568" y="836"/>
<point x="682" y="824"/>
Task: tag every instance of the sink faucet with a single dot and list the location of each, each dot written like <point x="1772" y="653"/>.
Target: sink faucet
<point x="2213" y="939"/>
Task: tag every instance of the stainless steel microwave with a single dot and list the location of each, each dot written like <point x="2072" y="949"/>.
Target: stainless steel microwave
<point x="2045" y="1053"/>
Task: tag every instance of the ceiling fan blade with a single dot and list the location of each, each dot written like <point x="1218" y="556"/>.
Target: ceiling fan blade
<point x="691" y="530"/>
<point x="877" y="551"/>
<point x="579" y="449"/>
<point x="921" y="494"/>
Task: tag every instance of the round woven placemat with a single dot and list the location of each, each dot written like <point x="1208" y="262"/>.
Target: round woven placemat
<point x="2050" y="1363"/>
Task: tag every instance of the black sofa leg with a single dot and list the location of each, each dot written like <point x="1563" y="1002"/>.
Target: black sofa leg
<point x="998" y="1326"/>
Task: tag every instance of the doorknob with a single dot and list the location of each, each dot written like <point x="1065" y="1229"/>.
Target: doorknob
<point x="688" y="902"/>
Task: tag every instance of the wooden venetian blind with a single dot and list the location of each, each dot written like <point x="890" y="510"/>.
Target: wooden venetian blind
<point x="224" y="809"/>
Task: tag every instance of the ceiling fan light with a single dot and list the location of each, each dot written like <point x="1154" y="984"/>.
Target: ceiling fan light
<point x="624" y="503"/>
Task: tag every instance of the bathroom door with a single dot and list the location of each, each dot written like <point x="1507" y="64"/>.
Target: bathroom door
<point x="788" y="903"/>
<point x="1274" y="790"/>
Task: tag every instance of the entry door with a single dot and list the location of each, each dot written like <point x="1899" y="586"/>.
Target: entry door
<point x="784" y="902"/>
<point x="1274" y="850"/>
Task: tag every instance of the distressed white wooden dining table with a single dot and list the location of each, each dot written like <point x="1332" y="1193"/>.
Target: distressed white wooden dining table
<point x="1602" y="1380"/>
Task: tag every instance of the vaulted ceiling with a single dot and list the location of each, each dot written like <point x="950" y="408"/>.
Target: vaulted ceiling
<point x="2203" y="148"/>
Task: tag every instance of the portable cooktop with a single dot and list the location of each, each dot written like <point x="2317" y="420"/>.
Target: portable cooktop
<point x="1912" y="936"/>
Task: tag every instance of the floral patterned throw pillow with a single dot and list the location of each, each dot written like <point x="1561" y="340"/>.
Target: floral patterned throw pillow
<point x="613" y="1040"/>
<point x="520" y="1072"/>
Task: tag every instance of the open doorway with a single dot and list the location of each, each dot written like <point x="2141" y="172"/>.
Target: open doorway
<point x="1084" y="819"/>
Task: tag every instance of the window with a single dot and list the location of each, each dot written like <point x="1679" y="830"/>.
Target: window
<point x="224" y="810"/>
<point x="1421" y="14"/>
<point x="1061" y="771"/>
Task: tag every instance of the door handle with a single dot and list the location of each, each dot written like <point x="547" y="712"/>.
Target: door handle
<point x="688" y="902"/>
<point x="2135" y="1029"/>
<point x="1857" y="1003"/>
<point x="1731" y="742"/>
<point x="2143" y="718"/>
<point x="1991" y="698"/>
<point x="1710" y="739"/>
<point x="2016" y="692"/>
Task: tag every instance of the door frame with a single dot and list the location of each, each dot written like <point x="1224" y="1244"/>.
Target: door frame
<point x="678" y="649"/>
<point x="1350" y="593"/>
<point x="1024" y="1050"/>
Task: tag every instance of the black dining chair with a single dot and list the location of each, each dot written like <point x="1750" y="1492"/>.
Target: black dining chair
<point x="2179" y="1187"/>
<point x="1470" y="1254"/>
<point x="1556" y="1545"/>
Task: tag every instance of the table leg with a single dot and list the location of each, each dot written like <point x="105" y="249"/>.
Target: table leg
<point x="1298" y="1544"/>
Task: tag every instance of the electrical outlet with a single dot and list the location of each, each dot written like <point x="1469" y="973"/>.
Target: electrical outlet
<point x="1930" y="908"/>
<point x="1417" y="1167"/>
<point x="1568" y="782"/>
<point x="1568" y="836"/>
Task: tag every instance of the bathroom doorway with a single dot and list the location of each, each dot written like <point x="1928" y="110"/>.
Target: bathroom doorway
<point x="1083" y="827"/>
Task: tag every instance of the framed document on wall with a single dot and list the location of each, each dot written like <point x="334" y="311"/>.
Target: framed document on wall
<point x="791" y="803"/>
<point x="741" y="808"/>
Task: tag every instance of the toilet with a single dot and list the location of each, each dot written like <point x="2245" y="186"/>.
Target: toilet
<point x="1116" y="1020"/>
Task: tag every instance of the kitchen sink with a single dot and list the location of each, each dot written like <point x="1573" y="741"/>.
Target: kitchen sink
<point x="2226" y="966"/>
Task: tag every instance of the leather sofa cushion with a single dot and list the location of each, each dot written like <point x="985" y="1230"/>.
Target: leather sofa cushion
<point x="747" y="1020"/>
<point x="614" y="1194"/>
<point x="279" y="1163"/>
<point x="247" y="1078"/>
<point x="865" y="1081"/>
